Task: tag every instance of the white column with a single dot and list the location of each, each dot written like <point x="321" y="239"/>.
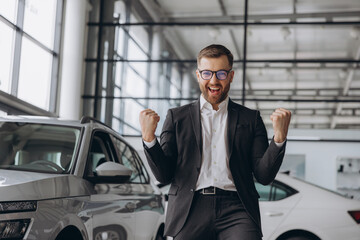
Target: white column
<point x="186" y="87"/>
<point x="72" y="59"/>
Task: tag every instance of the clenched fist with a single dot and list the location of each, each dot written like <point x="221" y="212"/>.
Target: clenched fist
<point x="280" y="120"/>
<point x="148" y="122"/>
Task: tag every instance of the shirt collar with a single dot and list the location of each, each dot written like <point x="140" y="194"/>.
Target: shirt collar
<point x="207" y="105"/>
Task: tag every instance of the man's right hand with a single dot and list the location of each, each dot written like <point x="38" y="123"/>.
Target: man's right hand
<point x="148" y="122"/>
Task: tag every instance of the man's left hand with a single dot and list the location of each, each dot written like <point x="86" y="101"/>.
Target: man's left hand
<point x="280" y="119"/>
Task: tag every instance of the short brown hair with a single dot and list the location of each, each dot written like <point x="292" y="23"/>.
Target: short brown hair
<point x="215" y="51"/>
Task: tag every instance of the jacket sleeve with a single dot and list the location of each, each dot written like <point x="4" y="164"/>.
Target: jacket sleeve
<point x="267" y="158"/>
<point x="162" y="156"/>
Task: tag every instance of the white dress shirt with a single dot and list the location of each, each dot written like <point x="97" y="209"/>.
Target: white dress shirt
<point x="214" y="169"/>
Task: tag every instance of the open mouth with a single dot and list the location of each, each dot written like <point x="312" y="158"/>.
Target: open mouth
<point x="214" y="90"/>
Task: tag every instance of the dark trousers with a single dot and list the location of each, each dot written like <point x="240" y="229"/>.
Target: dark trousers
<point x="218" y="217"/>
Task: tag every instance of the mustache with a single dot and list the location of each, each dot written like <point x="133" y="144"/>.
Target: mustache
<point x="214" y="85"/>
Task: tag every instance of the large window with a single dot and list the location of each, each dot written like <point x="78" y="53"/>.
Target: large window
<point x="29" y="46"/>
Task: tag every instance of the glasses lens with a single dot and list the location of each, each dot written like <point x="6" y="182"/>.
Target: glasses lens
<point x="221" y="75"/>
<point x="206" y="75"/>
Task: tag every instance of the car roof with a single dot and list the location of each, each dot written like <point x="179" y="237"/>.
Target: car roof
<point x="85" y="121"/>
<point x="42" y="120"/>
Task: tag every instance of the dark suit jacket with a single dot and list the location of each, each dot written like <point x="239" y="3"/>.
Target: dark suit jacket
<point x="177" y="159"/>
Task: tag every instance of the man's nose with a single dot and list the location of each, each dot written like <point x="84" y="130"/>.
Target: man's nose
<point x="214" y="79"/>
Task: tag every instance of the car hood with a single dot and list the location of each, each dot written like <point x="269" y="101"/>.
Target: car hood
<point x="21" y="185"/>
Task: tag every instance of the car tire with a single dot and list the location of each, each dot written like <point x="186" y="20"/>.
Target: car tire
<point x="160" y="234"/>
<point x="298" y="235"/>
<point x="159" y="237"/>
<point x="300" y="238"/>
<point x="112" y="232"/>
<point x="69" y="233"/>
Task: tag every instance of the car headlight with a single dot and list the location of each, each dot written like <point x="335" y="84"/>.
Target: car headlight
<point x="14" y="229"/>
<point x="21" y="206"/>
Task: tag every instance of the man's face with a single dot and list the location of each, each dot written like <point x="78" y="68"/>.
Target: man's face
<point x="214" y="90"/>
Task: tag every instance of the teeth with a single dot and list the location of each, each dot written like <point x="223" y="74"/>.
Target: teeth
<point x="215" y="89"/>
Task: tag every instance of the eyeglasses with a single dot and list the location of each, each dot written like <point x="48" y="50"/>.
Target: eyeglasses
<point x="207" y="74"/>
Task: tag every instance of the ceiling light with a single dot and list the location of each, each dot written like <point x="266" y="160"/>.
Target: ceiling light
<point x="355" y="32"/>
<point x="285" y="32"/>
<point x="214" y="33"/>
<point x="249" y="32"/>
<point x="165" y="54"/>
<point x="342" y="73"/>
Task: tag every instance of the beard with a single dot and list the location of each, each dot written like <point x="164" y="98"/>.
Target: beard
<point x="214" y="99"/>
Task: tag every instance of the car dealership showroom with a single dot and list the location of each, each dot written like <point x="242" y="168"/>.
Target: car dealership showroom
<point x="83" y="83"/>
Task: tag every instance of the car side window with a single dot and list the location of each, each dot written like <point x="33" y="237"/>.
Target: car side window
<point x="129" y="158"/>
<point x="264" y="191"/>
<point x="139" y="162"/>
<point x="278" y="193"/>
<point x="274" y="192"/>
<point x="101" y="150"/>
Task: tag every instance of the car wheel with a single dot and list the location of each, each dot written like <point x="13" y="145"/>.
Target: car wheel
<point x="69" y="233"/>
<point x="159" y="236"/>
<point x="300" y="238"/>
<point x="109" y="233"/>
<point x="298" y="235"/>
<point x="160" y="233"/>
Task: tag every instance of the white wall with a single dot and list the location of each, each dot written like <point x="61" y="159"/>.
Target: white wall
<point x="320" y="159"/>
<point x="322" y="149"/>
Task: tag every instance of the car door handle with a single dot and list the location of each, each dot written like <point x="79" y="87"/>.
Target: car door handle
<point x="274" y="214"/>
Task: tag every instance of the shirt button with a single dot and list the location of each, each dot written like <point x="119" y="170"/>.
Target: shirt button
<point x="214" y="146"/>
<point x="192" y="190"/>
<point x="214" y="162"/>
<point x="214" y="130"/>
<point x="215" y="179"/>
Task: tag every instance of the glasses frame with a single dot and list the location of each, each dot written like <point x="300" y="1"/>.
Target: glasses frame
<point x="212" y="74"/>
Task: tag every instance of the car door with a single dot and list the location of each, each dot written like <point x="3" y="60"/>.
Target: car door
<point x="121" y="210"/>
<point x="276" y="201"/>
<point x="149" y="211"/>
<point x="111" y="208"/>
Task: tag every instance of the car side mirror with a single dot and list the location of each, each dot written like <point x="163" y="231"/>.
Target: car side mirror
<point x="111" y="172"/>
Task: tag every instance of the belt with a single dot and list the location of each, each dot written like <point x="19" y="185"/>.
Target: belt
<point x="216" y="191"/>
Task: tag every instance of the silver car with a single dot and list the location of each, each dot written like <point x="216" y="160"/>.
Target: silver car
<point x="74" y="180"/>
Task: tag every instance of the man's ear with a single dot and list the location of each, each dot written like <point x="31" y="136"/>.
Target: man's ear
<point x="232" y="75"/>
<point x="198" y="75"/>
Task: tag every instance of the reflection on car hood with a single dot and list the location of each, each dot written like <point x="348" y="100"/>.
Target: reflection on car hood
<point x="21" y="185"/>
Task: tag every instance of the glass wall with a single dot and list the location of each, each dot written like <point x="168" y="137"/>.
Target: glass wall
<point x="303" y="56"/>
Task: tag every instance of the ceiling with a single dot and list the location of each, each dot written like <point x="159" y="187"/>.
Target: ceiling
<point x="298" y="54"/>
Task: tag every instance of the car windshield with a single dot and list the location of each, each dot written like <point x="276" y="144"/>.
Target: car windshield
<point x="37" y="147"/>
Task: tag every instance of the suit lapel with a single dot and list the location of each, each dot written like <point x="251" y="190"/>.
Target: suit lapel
<point x="196" y="123"/>
<point x="232" y="122"/>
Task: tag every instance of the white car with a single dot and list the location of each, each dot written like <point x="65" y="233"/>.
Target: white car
<point x="63" y="180"/>
<point x="293" y="209"/>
